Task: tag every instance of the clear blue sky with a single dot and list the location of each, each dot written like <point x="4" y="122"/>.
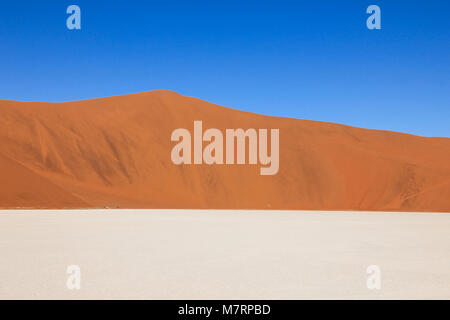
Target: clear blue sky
<point x="311" y="60"/>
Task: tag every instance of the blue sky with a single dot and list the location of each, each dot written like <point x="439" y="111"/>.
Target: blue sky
<point x="311" y="60"/>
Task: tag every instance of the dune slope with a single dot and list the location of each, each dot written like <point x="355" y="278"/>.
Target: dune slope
<point x="115" y="152"/>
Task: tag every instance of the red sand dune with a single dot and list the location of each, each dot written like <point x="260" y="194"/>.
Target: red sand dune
<point x="115" y="152"/>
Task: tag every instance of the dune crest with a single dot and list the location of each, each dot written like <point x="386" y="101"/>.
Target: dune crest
<point x="116" y="152"/>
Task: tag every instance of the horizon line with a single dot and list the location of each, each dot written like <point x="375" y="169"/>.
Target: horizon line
<point x="170" y="91"/>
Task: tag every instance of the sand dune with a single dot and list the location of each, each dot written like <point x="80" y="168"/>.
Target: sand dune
<point x="115" y="152"/>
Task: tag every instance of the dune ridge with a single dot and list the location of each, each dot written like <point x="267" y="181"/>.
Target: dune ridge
<point x="115" y="152"/>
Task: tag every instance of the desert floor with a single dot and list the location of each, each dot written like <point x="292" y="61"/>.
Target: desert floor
<point x="192" y="254"/>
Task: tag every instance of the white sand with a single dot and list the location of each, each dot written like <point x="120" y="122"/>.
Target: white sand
<point x="191" y="254"/>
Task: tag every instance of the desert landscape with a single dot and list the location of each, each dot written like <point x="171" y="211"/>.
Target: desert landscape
<point x="161" y="233"/>
<point x="223" y="254"/>
<point x="236" y="150"/>
<point x="115" y="153"/>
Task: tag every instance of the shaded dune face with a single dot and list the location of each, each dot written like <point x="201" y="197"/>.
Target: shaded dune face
<point x="116" y="152"/>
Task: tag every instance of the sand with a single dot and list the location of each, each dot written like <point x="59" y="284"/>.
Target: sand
<point x="115" y="152"/>
<point x="184" y="254"/>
